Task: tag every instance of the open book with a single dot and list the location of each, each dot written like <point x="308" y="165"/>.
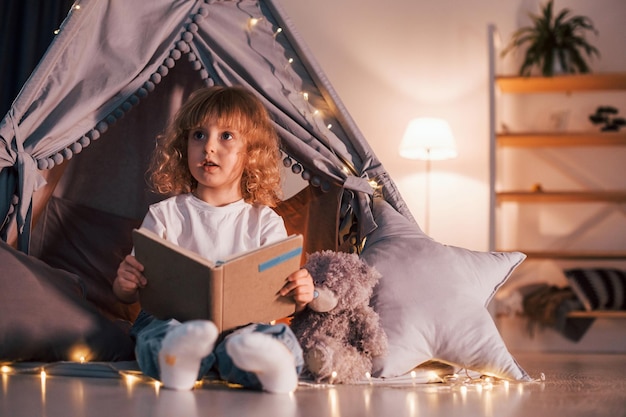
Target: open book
<point x="236" y="291"/>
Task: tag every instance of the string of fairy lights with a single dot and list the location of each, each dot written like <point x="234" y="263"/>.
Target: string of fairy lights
<point x="81" y="357"/>
<point x="306" y="109"/>
<point x="428" y="381"/>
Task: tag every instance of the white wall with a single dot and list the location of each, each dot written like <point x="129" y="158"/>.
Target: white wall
<point x="395" y="60"/>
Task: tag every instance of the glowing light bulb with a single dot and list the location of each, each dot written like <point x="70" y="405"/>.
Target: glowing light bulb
<point x="452" y="378"/>
<point x="5" y="369"/>
<point x="306" y="96"/>
<point x="77" y="7"/>
<point x="79" y="353"/>
<point x="43" y="375"/>
<point x="253" y="21"/>
<point x="329" y="126"/>
<point x="432" y="375"/>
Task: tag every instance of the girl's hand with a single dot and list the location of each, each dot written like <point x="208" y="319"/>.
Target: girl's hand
<point x="129" y="280"/>
<point x="299" y="286"/>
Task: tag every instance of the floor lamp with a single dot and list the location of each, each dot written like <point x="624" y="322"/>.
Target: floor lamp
<point x="428" y="139"/>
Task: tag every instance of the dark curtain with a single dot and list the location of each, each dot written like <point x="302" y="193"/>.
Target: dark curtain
<point x="26" y="30"/>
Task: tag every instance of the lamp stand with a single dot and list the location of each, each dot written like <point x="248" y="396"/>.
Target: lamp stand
<point x="427" y="194"/>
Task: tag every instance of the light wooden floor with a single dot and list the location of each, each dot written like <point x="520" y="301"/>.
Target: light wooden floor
<point x="575" y="385"/>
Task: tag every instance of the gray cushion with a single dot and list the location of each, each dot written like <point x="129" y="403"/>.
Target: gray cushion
<point x="598" y="288"/>
<point x="45" y="317"/>
<point x="432" y="300"/>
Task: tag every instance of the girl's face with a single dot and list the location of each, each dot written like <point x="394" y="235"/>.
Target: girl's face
<point x="216" y="159"/>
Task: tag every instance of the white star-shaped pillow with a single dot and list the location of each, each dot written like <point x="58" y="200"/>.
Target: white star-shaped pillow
<point x="432" y="300"/>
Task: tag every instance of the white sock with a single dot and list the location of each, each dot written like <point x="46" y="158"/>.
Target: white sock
<point x="183" y="348"/>
<point x="268" y="358"/>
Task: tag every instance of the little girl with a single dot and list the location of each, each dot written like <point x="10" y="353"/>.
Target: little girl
<point x="220" y="159"/>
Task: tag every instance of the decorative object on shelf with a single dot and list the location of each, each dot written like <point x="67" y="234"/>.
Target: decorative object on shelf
<point x="428" y="139"/>
<point x="559" y="119"/>
<point x="555" y="42"/>
<point x="607" y="117"/>
<point x="599" y="288"/>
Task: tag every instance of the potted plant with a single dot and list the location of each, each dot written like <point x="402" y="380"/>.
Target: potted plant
<point x="554" y="43"/>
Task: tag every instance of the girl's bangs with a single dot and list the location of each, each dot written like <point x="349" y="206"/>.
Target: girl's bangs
<point x="235" y="114"/>
<point x="229" y="118"/>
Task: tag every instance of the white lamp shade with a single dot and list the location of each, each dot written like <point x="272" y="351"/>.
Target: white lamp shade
<point x="429" y="139"/>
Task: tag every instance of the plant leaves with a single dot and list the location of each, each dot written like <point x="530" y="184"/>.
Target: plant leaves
<point x="549" y="39"/>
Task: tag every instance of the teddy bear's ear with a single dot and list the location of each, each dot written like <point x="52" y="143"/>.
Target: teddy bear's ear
<point x="325" y="301"/>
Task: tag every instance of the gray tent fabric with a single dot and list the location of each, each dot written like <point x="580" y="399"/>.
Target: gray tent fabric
<point x="111" y="55"/>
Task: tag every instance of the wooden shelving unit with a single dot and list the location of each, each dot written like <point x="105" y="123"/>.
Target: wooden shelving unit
<point x="516" y="145"/>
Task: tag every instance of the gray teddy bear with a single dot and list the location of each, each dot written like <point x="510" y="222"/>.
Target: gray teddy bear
<point x="339" y="332"/>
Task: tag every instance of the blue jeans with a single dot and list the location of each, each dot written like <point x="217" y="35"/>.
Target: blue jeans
<point x="149" y="333"/>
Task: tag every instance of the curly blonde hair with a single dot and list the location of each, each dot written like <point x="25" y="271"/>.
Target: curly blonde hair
<point x="239" y="109"/>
